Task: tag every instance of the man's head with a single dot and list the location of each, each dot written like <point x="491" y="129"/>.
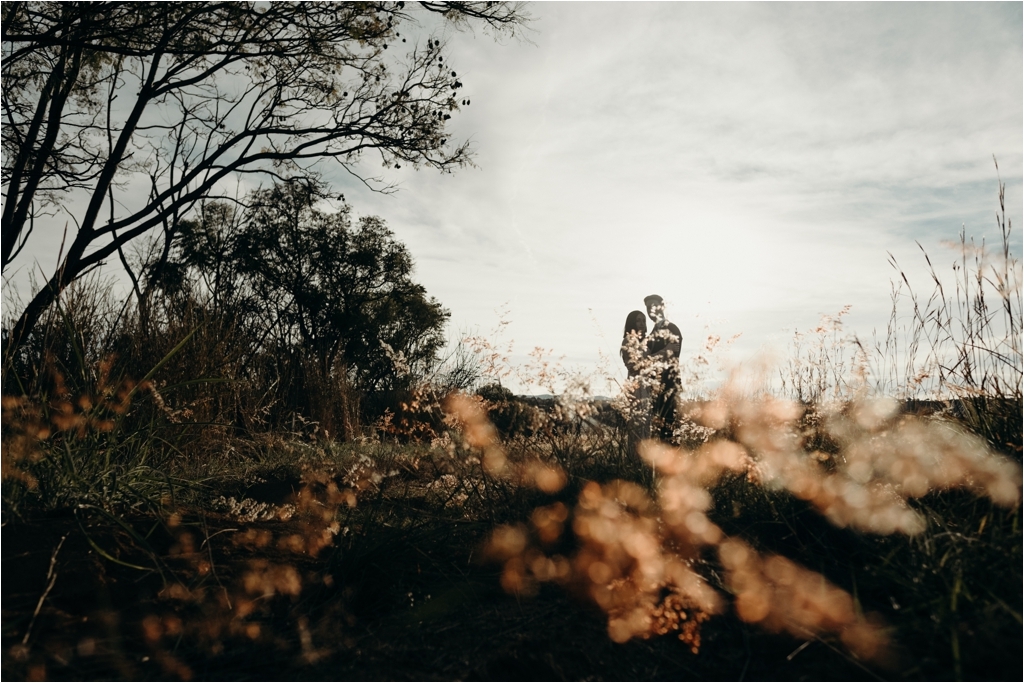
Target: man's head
<point x="655" y="307"/>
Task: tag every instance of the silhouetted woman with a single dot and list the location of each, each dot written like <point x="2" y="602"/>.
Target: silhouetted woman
<point x="637" y="388"/>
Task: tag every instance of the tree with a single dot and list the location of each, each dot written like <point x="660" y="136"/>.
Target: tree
<point x="300" y="277"/>
<point x="138" y="112"/>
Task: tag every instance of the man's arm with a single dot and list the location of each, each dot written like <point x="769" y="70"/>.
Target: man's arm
<point x="673" y="339"/>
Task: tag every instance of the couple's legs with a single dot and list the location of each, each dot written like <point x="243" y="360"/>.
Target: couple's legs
<point x="663" y="414"/>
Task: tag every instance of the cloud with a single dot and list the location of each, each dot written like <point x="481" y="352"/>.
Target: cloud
<point x="752" y="162"/>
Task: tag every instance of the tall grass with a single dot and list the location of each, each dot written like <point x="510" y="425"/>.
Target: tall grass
<point x="863" y="518"/>
<point x="964" y="340"/>
<point x="79" y="432"/>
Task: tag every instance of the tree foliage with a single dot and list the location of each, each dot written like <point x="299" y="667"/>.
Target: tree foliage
<point x="297" y="277"/>
<point x="124" y="117"/>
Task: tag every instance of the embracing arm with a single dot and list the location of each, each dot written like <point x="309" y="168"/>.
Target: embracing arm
<point x="672" y="339"/>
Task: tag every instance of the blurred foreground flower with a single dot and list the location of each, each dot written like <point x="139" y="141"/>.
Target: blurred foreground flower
<point x="637" y="558"/>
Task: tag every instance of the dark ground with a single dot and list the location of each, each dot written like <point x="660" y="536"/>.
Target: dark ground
<point x="406" y="600"/>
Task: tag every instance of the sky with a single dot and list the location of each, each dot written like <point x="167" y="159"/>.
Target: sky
<point x="754" y="164"/>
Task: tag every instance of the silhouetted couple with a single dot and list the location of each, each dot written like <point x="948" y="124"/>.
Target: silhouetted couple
<point x="652" y="362"/>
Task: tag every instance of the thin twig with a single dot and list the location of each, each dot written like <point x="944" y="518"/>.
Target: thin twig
<point x="51" y="578"/>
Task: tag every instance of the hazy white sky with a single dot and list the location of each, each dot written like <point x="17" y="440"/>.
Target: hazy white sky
<point x="751" y="163"/>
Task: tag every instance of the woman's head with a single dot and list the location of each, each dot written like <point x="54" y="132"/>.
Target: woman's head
<point x="636" y="322"/>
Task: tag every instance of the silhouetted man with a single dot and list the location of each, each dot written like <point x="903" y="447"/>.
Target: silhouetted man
<point x="664" y="344"/>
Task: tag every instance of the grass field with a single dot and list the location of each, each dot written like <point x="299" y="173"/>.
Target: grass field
<point x="371" y="561"/>
<point x="828" y="530"/>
